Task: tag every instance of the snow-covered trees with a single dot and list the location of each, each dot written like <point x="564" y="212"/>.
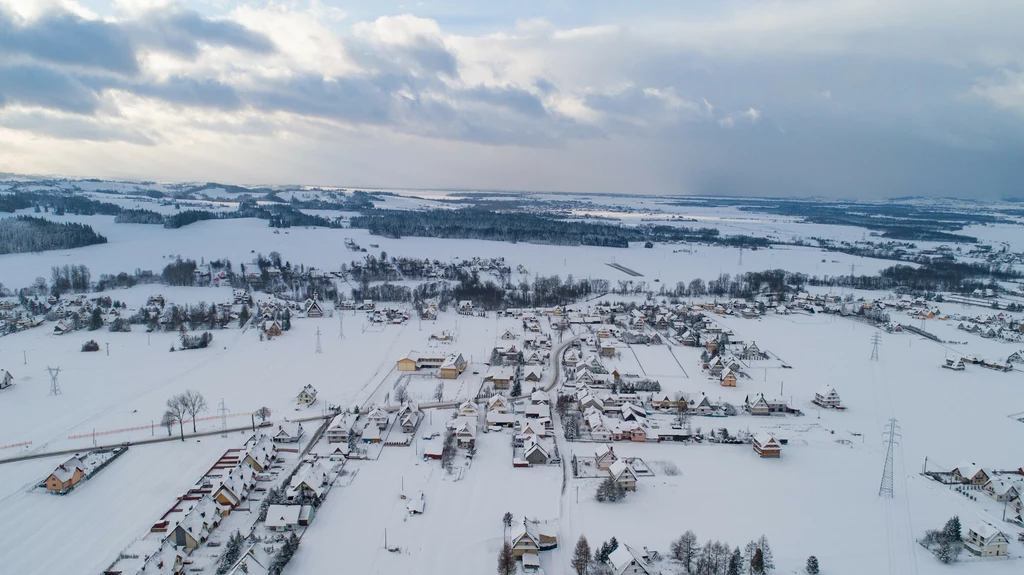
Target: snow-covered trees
<point x="609" y="490"/>
<point x="759" y="556"/>
<point x="439" y="392"/>
<point x="31" y="234"/>
<point x="232" y="551"/>
<point x="90" y="345"/>
<point x="263" y="413"/>
<point x="581" y="556"/>
<point x="946" y="544"/>
<point x="812" y="566"/>
<point x="601" y="553"/>
<point x="284" y="555"/>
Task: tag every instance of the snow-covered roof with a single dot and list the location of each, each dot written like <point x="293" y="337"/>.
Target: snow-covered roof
<point x="65" y="471"/>
<point x="986" y="531"/>
<point x="283" y="515"/>
<point x="764" y="438"/>
<point x="623" y="557"/>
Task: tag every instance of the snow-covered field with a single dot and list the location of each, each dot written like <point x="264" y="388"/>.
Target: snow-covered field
<point x="820" y="498"/>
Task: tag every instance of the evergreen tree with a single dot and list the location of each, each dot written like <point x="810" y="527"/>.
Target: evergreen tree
<point x="581" y="556"/>
<point x="517" y="389"/>
<point x="243" y="316"/>
<point x="812" y="565"/>
<point x="735" y="563"/>
<point x="952" y="529"/>
<point x="757" y="562"/>
<point x="95" y="320"/>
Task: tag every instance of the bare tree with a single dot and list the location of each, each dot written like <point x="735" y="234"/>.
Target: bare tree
<point x="263" y="413"/>
<point x="176" y="412"/>
<point x="439" y="392"/>
<point x="685" y="549"/>
<point x="195" y="404"/>
<point x="401" y="394"/>
<point x="168" y="421"/>
<point x="506" y="560"/>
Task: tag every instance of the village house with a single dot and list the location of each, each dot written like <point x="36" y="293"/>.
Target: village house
<point x="728" y="378"/>
<point x="66" y="476"/>
<point x="767" y="446"/>
<point x="288" y="433"/>
<point x="1003" y="489"/>
<point x="984" y="540"/>
<point x="533" y="452"/>
<point x="307" y="396"/>
<point x="6" y="379"/>
<point x="532" y="537"/>
<point x="498" y="403"/>
<point x="468" y="409"/>
<point x="408" y="418"/>
<point x="377" y="418"/>
<point x="415" y="360"/>
<point x="623" y="475"/>
<point x="628" y="561"/>
<point x="604" y="460"/>
<point x="194" y="528"/>
<point x="341" y="428"/>
<point x="313" y="308"/>
<point x="273" y="329"/>
<point x="500" y="378"/>
<point x="970" y="473"/>
<point x="465" y="432"/>
<point x="283" y="517"/>
<point x="827" y="396"/>
<point x="761" y="405"/>
<point x="532" y="374"/>
<point x="260" y="452"/>
<point x="452" y="366"/>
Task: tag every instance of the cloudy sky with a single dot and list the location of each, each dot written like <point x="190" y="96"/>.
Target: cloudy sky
<point x="853" y="98"/>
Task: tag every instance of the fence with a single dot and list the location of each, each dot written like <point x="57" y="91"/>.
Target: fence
<point x="23" y="443"/>
<point x="150" y="426"/>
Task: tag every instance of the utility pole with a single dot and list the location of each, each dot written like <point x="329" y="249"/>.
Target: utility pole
<point x="318" y="348"/>
<point x="876" y="341"/>
<point x="892" y="432"/>
<point x="341" y="326"/>
<point x="108" y="348"/>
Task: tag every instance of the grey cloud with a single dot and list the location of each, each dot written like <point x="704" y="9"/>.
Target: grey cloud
<point x="32" y="85"/>
<point x="190" y="92"/>
<point x="73" y="128"/>
<point x="514" y="99"/>
<point x="425" y="58"/>
<point x="64" y="38"/>
<point x="183" y="31"/>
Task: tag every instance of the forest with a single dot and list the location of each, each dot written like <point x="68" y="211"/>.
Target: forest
<point x="31" y="234"/>
<point x="479" y="224"/>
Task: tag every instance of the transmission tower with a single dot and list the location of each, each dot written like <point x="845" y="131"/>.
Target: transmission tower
<point x="318" y="348"/>
<point x="741" y="256"/>
<point x="876" y="340"/>
<point x="892" y="432"/>
<point x="54" y="384"/>
<point x="223" y="418"/>
<point x="341" y="326"/>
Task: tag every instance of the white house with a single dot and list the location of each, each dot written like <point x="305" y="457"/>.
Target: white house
<point x="341" y="427"/>
<point x="626" y="560"/>
<point x="283" y="517"/>
<point x="622" y="473"/>
<point x="827" y="396"/>
<point x="307" y="396"/>
<point x="985" y="540"/>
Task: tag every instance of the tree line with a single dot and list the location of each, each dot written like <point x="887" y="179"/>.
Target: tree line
<point x="23" y="234"/>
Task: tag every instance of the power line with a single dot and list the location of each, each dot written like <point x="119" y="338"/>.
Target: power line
<point x="892" y="432"/>
<point x="876" y="341"/>
<point x="54" y="384"/>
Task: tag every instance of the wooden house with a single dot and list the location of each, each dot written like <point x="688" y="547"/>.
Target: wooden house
<point x="313" y="308"/>
<point x="288" y="433"/>
<point x="6" y="379"/>
<point x="453" y="366"/>
<point x="194" y="528"/>
<point x="498" y="403"/>
<point x="728" y="378"/>
<point x="341" y="428"/>
<point x="1002" y="489"/>
<point x="533" y="452"/>
<point x="273" y="329"/>
<point x="66" y="476"/>
<point x="767" y="446"/>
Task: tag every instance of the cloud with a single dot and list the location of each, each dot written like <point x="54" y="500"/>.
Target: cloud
<point x="64" y="127"/>
<point x="183" y="32"/>
<point x="38" y="86"/>
<point x="67" y="39"/>
<point x="1005" y="91"/>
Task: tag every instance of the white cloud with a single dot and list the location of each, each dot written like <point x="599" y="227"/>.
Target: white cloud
<point x="1005" y="92"/>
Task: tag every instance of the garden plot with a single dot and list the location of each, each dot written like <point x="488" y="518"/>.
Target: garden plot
<point x="460" y="525"/>
<point x="657" y="361"/>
